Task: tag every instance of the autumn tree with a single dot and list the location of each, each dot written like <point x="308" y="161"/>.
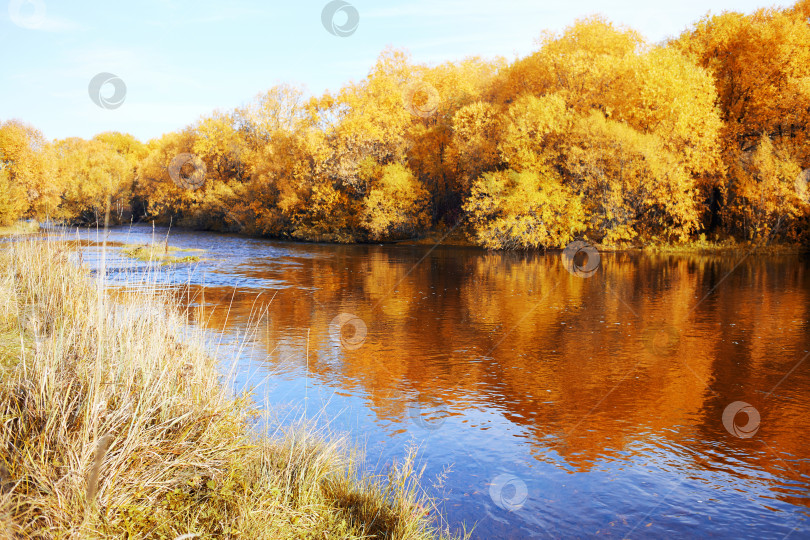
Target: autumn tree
<point x="155" y="191"/>
<point x="522" y="210"/>
<point x="372" y="122"/>
<point x="396" y="205"/>
<point x="597" y="135"/>
<point x="761" y="67"/>
<point x="581" y="64"/>
<point x="760" y="63"/>
<point x="762" y="191"/>
<point x="97" y="181"/>
<point x="631" y="129"/>
<point x="284" y="155"/>
<point x="474" y="147"/>
<point x="632" y="184"/>
<point x="28" y="170"/>
<point x="12" y="198"/>
<point x="441" y="153"/>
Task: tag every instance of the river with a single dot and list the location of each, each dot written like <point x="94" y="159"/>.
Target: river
<point x="662" y="396"/>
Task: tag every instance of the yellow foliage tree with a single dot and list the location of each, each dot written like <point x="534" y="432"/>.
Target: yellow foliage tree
<point x="762" y="191"/>
<point x="396" y="206"/>
<point x="97" y="181"/>
<point x="632" y="128"/>
<point x="474" y="148"/>
<point x="28" y="165"/>
<point x="521" y="210"/>
<point x="155" y="191"/>
<point x="596" y="133"/>
<point x="761" y="68"/>
<point x="632" y="184"/>
<point x="12" y="198"/>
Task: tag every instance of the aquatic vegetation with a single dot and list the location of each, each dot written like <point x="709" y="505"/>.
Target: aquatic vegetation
<point x="162" y="253"/>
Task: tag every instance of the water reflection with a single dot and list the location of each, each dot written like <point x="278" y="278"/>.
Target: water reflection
<point x="602" y="397"/>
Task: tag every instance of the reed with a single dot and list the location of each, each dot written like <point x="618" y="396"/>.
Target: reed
<point x="115" y="426"/>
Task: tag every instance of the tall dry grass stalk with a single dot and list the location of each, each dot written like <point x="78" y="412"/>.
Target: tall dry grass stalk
<point x="112" y="426"/>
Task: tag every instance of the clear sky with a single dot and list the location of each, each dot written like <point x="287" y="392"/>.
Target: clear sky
<point x="181" y="59"/>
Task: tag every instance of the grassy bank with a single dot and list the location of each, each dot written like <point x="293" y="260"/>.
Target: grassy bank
<point x="728" y="246"/>
<point x="460" y="237"/>
<point x="112" y="427"/>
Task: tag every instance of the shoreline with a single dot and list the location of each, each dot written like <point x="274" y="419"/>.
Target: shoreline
<point x="457" y="239"/>
<point x="117" y="427"/>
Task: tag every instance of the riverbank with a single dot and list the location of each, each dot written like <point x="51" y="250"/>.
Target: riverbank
<point x="446" y="237"/>
<point x="114" y="427"/>
<point x="459" y="238"/>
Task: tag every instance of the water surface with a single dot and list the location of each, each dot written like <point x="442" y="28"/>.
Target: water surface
<point x="553" y="405"/>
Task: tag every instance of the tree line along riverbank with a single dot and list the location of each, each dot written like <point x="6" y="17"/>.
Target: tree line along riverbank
<point x="597" y="135"/>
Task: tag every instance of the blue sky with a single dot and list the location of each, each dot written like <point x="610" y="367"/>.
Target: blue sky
<point x="183" y="59"/>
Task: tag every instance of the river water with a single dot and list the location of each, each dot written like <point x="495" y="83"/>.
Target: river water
<point x="663" y="396"/>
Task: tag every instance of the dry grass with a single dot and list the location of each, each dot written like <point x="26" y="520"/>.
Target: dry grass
<point x="20" y="228"/>
<point x="163" y="253"/>
<point x="112" y="427"/>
